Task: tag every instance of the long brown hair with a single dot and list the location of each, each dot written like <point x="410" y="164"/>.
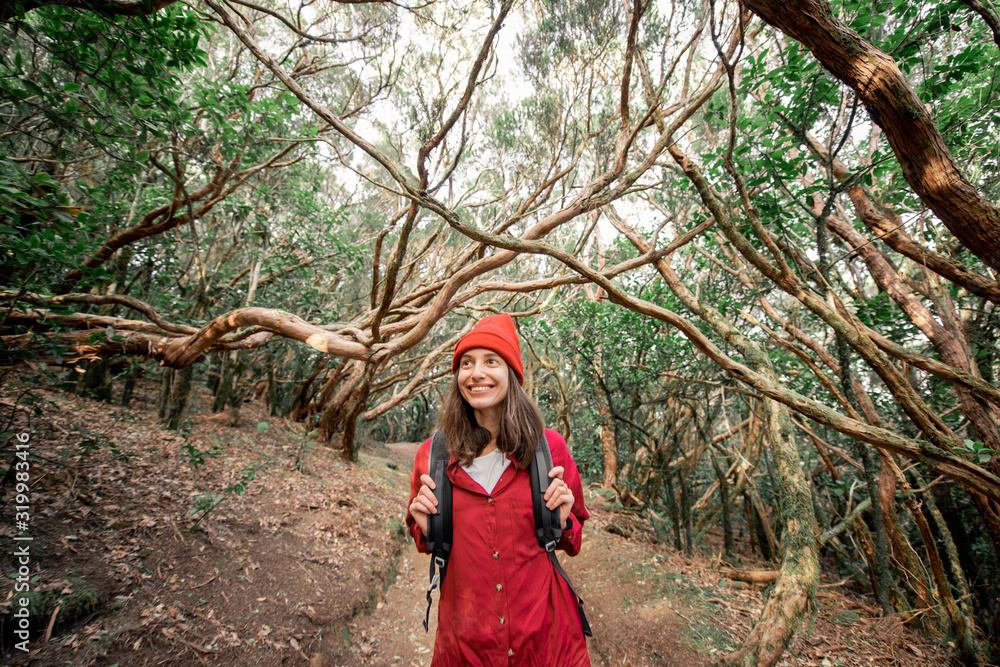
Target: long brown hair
<point x="521" y="425"/>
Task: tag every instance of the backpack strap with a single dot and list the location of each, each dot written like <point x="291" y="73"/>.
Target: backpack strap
<point x="548" y="527"/>
<point x="439" y="525"/>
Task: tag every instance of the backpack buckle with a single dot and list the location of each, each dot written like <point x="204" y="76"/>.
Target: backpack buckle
<point x="550" y="546"/>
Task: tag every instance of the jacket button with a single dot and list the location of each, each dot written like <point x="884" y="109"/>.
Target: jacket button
<point x="496" y="554"/>
<point x="510" y="653"/>
<point x="499" y="588"/>
<point x="501" y="622"/>
<point x="489" y="500"/>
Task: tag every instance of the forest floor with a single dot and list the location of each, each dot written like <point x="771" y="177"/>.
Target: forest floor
<point x="310" y="565"/>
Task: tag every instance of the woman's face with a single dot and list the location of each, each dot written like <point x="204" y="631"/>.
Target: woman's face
<point x="483" y="377"/>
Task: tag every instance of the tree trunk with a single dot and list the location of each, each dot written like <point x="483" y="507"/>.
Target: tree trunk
<point x="297" y="407"/>
<point x="881" y="579"/>
<point x="214" y="373"/>
<point x="675" y="517"/>
<point x="686" y="514"/>
<point x="97" y="380"/>
<point x="728" y="545"/>
<point x="166" y="380"/>
<point x="762" y="528"/>
<point x="272" y="396"/>
<point x="902" y="553"/>
<point x="128" y="388"/>
<point x="958" y="617"/>
<point x="608" y="445"/>
<point x="867" y="548"/>
<point x="179" y="396"/>
<point x="794" y="592"/>
<point x="334" y="410"/>
<point x="775" y="533"/>
<point x="948" y="523"/>
<point x="752" y="576"/>
<point x="750" y="515"/>
<point x="960" y="626"/>
<point x="609" y="448"/>
<point x="343" y="411"/>
<point x="357" y="404"/>
<point x="225" y="388"/>
<point x="320" y="405"/>
<point x="961" y="559"/>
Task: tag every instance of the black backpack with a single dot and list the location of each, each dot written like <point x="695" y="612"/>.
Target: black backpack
<point x="548" y="528"/>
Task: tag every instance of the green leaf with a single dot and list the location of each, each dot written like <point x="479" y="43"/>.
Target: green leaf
<point x="71" y="87"/>
<point x="32" y="87"/>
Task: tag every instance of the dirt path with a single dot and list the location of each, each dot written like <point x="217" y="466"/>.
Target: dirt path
<point x="633" y="623"/>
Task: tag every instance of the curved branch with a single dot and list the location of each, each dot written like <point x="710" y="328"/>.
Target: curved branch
<point x="290" y="25"/>
<point x="987" y="16"/>
<point x="181" y="352"/>
<point x="418" y="377"/>
<point x="100" y="299"/>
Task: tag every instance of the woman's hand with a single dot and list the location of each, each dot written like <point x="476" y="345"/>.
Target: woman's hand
<point x="424" y="503"/>
<point x="559" y="495"/>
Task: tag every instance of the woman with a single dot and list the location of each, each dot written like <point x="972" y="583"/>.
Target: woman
<point x="502" y="602"/>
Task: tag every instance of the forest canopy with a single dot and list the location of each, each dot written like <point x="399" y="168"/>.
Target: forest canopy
<point x="752" y="249"/>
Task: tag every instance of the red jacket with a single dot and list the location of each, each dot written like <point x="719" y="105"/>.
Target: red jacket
<point x="502" y="602"/>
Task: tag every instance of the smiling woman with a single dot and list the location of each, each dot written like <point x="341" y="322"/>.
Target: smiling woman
<point x="503" y="601"/>
<point x="482" y="381"/>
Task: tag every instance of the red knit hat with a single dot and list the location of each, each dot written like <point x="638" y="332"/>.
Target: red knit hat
<point x="495" y="333"/>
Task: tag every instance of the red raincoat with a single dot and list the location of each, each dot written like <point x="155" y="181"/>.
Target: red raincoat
<point x="502" y="602"/>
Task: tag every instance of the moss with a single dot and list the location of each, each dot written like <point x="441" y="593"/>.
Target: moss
<point x="37" y="608"/>
<point x="850" y="42"/>
<point x="704" y="637"/>
<point x="397" y="530"/>
<point x="79" y="604"/>
<point x="82" y="601"/>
